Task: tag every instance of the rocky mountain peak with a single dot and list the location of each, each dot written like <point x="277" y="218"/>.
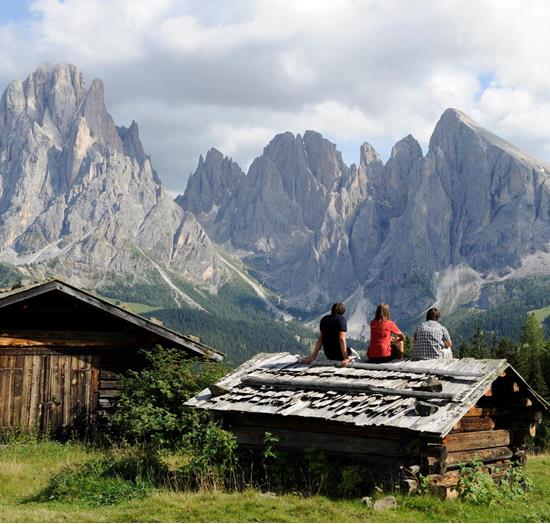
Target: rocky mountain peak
<point x="99" y="121"/>
<point x="79" y="197"/>
<point x="368" y="155"/>
<point x="406" y="147"/>
<point x="131" y="142"/>
<point x="49" y="97"/>
<point x="215" y="180"/>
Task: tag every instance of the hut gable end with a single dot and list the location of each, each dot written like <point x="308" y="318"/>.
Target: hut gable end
<point x="63" y="352"/>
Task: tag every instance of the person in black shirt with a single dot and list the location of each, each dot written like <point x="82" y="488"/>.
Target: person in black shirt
<point x="332" y="336"/>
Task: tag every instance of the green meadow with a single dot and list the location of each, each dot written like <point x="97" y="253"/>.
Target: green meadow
<point x="28" y="467"/>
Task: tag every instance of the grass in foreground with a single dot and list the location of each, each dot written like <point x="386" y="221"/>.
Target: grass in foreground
<point x="26" y="469"/>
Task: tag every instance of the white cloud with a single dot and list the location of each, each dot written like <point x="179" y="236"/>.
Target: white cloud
<point x="198" y="74"/>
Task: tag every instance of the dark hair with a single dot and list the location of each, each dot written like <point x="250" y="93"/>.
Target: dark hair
<point x="338" y="309"/>
<point x="433" y="314"/>
<point x="382" y="312"/>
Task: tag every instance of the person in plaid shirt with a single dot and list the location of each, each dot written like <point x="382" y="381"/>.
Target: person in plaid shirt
<point x="431" y="339"/>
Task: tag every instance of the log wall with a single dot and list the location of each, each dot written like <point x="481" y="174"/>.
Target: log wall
<point x="52" y="388"/>
<point x="493" y="432"/>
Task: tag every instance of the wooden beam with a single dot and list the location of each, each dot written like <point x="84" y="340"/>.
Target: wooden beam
<point x="35" y="334"/>
<point x="403" y="368"/>
<point x="63" y="342"/>
<point x="379" y="449"/>
<point x="108" y="393"/>
<point x="338" y="385"/>
<point x="468" y="424"/>
<point x="110" y="384"/>
<point x="340" y="430"/>
<point x="485" y="455"/>
<point x="476" y="440"/>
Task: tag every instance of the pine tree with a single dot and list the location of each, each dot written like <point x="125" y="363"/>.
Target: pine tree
<point x="465" y="350"/>
<point x="531" y="354"/>
<point x="506" y="349"/>
<point x="479" y="344"/>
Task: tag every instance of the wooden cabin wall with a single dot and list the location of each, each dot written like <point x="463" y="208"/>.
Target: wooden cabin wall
<point x="385" y="451"/>
<point x="45" y="390"/>
<point x="493" y="432"/>
<point x="54" y="389"/>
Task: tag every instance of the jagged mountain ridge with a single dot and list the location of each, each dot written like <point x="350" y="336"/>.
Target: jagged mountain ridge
<point x="417" y="230"/>
<point x="78" y="195"/>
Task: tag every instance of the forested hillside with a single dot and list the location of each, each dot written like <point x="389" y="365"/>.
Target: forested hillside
<point x="234" y="321"/>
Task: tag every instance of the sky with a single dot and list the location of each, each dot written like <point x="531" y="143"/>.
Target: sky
<point x="231" y="74"/>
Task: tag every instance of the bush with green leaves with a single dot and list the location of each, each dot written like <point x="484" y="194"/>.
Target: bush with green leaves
<point x="150" y="410"/>
<point x="207" y="456"/>
<point x="476" y="485"/>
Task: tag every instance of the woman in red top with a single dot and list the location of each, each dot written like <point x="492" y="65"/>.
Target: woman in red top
<point x="383" y="334"/>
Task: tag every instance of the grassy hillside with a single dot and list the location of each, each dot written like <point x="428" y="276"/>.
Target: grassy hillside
<point x="27" y="468"/>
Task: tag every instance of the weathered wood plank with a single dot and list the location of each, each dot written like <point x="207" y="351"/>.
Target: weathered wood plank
<point x="468" y="424"/>
<point x="288" y="439"/>
<point x="25" y="392"/>
<point x="66" y="390"/>
<point x="267" y="422"/>
<point x="417" y="370"/>
<point x="5" y="381"/>
<point x="474" y="412"/>
<point x="36" y="394"/>
<point x="107" y="374"/>
<point x="110" y="384"/>
<point x="108" y="393"/>
<point x="486" y="455"/>
<point x="32" y="334"/>
<point x="62" y="343"/>
<point x="337" y="385"/>
<point x="476" y="440"/>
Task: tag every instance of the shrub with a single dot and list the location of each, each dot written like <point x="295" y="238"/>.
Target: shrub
<point x="207" y="456"/>
<point x="150" y="410"/>
<point x="476" y="485"/>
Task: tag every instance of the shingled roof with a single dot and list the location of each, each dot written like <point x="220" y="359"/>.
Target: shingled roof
<point x="361" y="394"/>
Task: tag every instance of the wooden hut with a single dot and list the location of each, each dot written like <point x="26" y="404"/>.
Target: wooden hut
<point x="62" y="351"/>
<point x="400" y="419"/>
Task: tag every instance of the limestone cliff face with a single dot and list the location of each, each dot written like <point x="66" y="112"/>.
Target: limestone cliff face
<point x="78" y="195"/>
<point x="214" y="181"/>
<point x="413" y="231"/>
<point x="290" y="213"/>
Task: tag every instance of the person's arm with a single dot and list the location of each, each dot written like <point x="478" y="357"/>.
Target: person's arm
<point x="316" y="349"/>
<point x="447" y="342"/>
<point x="399" y="339"/>
<point x="343" y="347"/>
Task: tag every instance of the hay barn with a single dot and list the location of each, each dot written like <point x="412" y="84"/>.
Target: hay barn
<point x="400" y="419"/>
<point x="62" y="351"/>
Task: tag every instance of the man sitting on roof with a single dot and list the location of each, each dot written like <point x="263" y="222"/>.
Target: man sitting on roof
<point x="431" y="339"/>
<point x="332" y="336"/>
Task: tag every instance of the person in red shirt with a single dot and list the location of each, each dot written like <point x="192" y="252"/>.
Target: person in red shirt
<point x="383" y="334"/>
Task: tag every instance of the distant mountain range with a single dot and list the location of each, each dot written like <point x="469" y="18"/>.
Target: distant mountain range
<point x="79" y="198"/>
<point x="412" y="232"/>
